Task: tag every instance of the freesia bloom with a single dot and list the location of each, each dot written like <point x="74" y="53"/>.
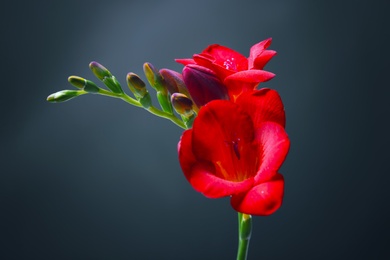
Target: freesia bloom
<point x="236" y="149"/>
<point x="237" y="72"/>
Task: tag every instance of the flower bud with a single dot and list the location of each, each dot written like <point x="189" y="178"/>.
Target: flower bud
<point x="174" y="82"/>
<point x="84" y="84"/>
<point x="76" y="81"/>
<point x="64" y="95"/>
<point x="182" y="104"/>
<point x="106" y="77"/>
<point x="99" y="70"/>
<point x="154" y="77"/>
<point x="203" y="84"/>
<point x="136" y="85"/>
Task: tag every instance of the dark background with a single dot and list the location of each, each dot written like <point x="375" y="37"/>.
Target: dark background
<point x="95" y="178"/>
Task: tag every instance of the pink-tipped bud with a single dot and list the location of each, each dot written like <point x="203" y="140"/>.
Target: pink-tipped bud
<point x="174" y="81"/>
<point x="99" y="70"/>
<point x="203" y="84"/>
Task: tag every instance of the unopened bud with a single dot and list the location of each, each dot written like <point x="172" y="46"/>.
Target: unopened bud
<point x="154" y="77"/>
<point x="76" y="81"/>
<point x="136" y="85"/>
<point x="99" y="70"/>
<point x="84" y="84"/>
<point x="203" y="85"/>
<point x="182" y="104"/>
<point x="64" y="95"/>
<point x="174" y="82"/>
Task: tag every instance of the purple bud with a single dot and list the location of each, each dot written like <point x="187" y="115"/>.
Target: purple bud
<point x="203" y="84"/>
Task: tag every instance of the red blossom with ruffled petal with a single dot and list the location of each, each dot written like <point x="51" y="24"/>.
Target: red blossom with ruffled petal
<point x="238" y="73"/>
<point x="236" y="149"/>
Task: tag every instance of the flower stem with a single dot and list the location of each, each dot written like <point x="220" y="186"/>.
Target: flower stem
<point x="151" y="109"/>
<point x="244" y="235"/>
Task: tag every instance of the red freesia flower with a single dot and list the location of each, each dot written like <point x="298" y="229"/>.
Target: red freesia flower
<point x="236" y="149"/>
<point x="237" y="72"/>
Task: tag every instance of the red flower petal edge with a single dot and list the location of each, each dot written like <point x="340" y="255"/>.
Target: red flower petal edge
<point x="231" y="151"/>
<point x="262" y="200"/>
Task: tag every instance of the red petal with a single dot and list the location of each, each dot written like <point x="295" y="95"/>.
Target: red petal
<point x="202" y="174"/>
<point x="250" y="76"/>
<point x="186" y="157"/>
<point x="257" y="50"/>
<point x="275" y="144"/>
<point x="263" y="105"/>
<point x="204" y="180"/>
<point x="185" y="61"/>
<point x="206" y="60"/>
<point x="262" y="200"/>
<point x="226" y="57"/>
<point x="263" y="59"/>
<point x="218" y="123"/>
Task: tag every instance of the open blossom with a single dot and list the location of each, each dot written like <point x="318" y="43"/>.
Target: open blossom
<point x="238" y="73"/>
<point x="236" y="149"/>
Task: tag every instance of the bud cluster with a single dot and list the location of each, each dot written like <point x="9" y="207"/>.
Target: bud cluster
<point x="171" y="92"/>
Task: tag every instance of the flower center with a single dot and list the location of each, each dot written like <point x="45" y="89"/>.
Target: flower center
<point x="230" y="64"/>
<point x="234" y="147"/>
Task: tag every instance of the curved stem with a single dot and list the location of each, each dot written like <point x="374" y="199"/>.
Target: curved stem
<point x="244" y="235"/>
<point x="166" y="115"/>
<point x="151" y="109"/>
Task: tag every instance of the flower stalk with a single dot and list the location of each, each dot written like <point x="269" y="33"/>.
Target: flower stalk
<point x="244" y="235"/>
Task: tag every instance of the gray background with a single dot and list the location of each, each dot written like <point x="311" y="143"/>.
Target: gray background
<point x="95" y="178"/>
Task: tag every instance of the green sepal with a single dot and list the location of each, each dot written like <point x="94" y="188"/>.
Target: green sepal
<point x="188" y="121"/>
<point x="113" y="84"/>
<point x="146" y="100"/>
<point x="165" y="102"/>
<point x="91" y="87"/>
<point x="64" y="95"/>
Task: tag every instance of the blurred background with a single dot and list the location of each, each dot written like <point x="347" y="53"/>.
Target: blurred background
<point x="95" y="178"/>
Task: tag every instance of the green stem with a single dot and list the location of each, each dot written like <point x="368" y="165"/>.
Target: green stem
<point x="244" y="235"/>
<point x="151" y="109"/>
<point x="166" y="115"/>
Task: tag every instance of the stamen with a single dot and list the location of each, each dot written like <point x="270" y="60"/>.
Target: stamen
<point x="230" y="64"/>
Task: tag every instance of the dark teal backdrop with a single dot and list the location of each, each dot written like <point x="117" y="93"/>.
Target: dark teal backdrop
<point x="95" y="178"/>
